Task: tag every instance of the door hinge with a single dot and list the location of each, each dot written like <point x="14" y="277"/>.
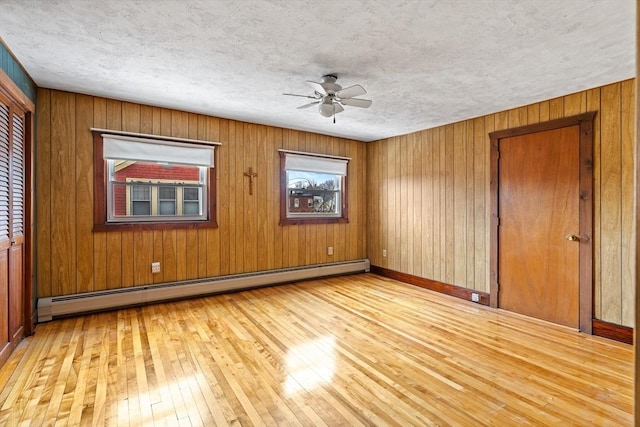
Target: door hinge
<point x="497" y="154"/>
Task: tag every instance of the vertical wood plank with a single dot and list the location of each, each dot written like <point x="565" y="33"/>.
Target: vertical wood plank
<point x="517" y="117"/>
<point x="470" y="205"/>
<point x="489" y="126"/>
<point x="418" y="214"/>
<point x="393" y="204"/>
<point x="449" y="258"/>
<point x="278" y="234"/>
<point x="593" y="104"/>
<point x="480" y="184"/>
<point x="263" y="195"/>
<point x="384" y="191"/>
<point x="628" y="237"/>
<point x="574" y="104"/>
<point x="428" y="209"/>
<point x="533" y="114"/>
<point x="611" y="197"/>
<point x="43" y="193"/>
<point x="544" y="111"/>
<point x="84" y="193"/>
<point x="403" y="206"/>
<point x="556" y="108"/>
<point x="459" y="209"/>
<point x="438" y="203"/>
<point x="63" y="209"/>
<point x="240" y="213"/>
<point x="231" y="177"/>
<point x="250" y="201"/>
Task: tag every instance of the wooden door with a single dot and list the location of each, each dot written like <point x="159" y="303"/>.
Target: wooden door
<point x="12" y="226"/>
<point x="539" y="197"/>
<point x="16" y="226"/>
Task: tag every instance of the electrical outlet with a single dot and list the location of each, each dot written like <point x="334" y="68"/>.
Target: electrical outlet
<point x="475" y="297"/>
<point x="155" y="267"/>
<point x="384" y="252"/>
<point x="330" y="250"/>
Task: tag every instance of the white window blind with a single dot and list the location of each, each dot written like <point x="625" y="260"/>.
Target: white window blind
<point x="120" y="147"/>
<point x="301" y="162"/>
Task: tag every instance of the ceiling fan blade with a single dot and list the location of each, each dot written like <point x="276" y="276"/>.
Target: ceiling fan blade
<point x="318" y="88"/>
<point x="308" y="105"/>
<point x="351" y="91"/>
<point x="302" y="96"/>
<point x="355" y="102"/>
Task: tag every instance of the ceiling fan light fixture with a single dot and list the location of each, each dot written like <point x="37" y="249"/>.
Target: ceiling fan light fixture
<point x="326" y="107"/>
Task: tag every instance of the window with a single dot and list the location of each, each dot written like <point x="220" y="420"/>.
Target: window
<point x="151" y="182"/>
<point x="140" y="200"/>
<point x="313" y="188"/>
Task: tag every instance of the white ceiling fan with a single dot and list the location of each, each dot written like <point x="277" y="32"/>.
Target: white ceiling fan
<point x="330" y="96"/>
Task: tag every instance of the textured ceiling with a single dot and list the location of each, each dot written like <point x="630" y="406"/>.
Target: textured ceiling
<point x="423" y="63"/>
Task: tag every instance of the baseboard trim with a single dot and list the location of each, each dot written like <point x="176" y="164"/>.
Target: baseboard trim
<point x="433" y="285"/>
<point x="612" y="331"/>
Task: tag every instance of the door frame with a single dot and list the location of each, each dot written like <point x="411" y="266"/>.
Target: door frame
<point x="585" y="123"/>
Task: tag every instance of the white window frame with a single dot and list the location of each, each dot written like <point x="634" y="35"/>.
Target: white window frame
<point x="297" y="161"/>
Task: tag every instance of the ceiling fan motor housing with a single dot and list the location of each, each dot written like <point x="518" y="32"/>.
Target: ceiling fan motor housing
<point x="329" y="84"/>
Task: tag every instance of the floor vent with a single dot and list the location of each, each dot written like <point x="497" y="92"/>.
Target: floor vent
<point x="54" y="307"/>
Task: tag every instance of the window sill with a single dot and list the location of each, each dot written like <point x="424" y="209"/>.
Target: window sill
<point x="303" y="221"/>
<point x="145" y="226"/>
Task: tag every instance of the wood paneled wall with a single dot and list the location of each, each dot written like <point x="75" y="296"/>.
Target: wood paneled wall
<point x="428" y="192"/>
<point x="71" y="258"/>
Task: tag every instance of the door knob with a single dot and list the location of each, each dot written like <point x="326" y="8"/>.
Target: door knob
<point x="573" y="238"/>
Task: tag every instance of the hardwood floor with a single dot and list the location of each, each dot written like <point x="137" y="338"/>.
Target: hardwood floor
<point x="356" y="350"/>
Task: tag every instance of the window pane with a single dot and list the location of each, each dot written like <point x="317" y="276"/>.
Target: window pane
<point x="167" y="193"/>
<point x="140" y="200"/>
<point x="191" y="193"/>
<point x="313" y="194"/>
<point x="141" y="208"/>
<point x="139" y="192"/>
<point x="167" y="208"/>
<point x="191" y="208"/>
<point x="156" y="189"/>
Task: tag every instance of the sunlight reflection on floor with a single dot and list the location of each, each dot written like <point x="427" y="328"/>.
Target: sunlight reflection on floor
<point x="310" y="365"/>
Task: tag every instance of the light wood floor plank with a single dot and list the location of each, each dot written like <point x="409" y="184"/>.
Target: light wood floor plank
<point x="354" y="351"/>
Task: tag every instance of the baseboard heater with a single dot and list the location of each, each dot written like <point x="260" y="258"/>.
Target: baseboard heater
<point x="55" y="307"/>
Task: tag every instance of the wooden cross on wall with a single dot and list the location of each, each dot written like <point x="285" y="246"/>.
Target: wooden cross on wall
<point x="251" y="174"/>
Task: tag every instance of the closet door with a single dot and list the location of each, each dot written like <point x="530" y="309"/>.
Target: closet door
<point x="16" y="229"/>
<point x="12" y="214"/>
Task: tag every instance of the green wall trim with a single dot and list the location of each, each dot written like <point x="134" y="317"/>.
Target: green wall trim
<point x="16" y="73"/>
